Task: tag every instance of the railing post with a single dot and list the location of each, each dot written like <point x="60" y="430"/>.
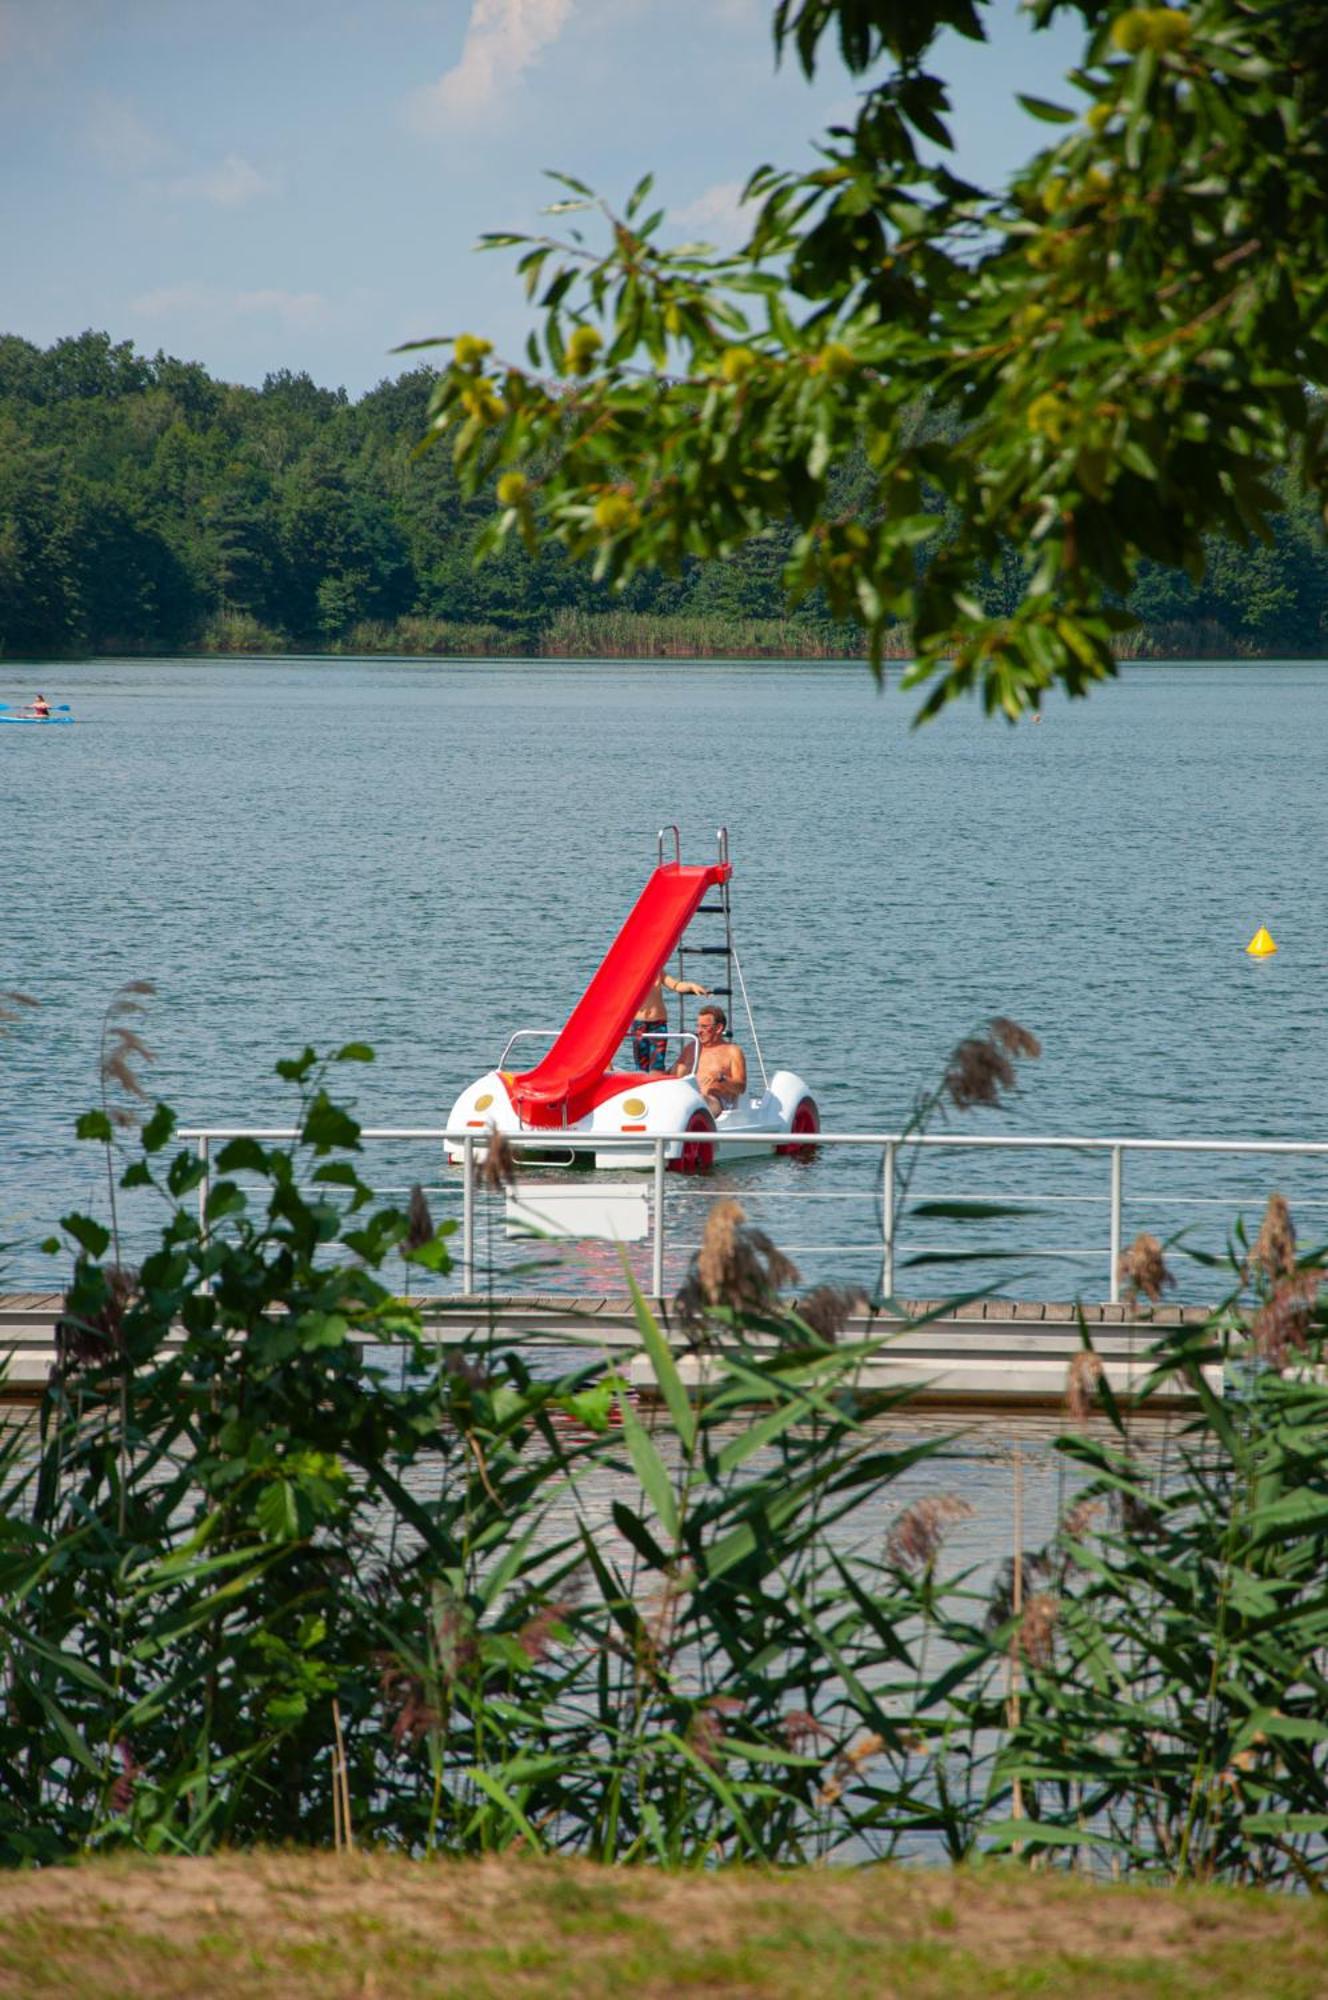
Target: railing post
<point x="657" y="1273"/>
<point x="468" y="1215"/>
<point x="1117" y="1166"/>
<point x="888" y="1221"/>
<point x="204" y="1191"/>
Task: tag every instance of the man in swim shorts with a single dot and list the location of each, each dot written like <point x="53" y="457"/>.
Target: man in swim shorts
<point x="721" y="1067"/>
<point x="649" y="1048"/>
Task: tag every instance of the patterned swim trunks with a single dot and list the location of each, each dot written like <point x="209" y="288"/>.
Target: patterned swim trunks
<point x="649" y="1048"/>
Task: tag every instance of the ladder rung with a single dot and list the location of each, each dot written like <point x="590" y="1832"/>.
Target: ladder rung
<point x="703" y="950"/>
<point x="710" y="910"/>
<point x="722" y="989"/>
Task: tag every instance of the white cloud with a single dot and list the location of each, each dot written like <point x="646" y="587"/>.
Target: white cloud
<point x="192" y="300"/>
<point x="503" y="38"/>
<point x="228" y="185"/>
<point x="121" y="140"/>
<point x="718" y="214"/>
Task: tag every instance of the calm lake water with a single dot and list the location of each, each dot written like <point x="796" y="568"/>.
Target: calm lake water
<point x="426" y="855"/>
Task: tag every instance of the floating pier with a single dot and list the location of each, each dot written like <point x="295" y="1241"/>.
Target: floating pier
<point x="992" y="1353"/>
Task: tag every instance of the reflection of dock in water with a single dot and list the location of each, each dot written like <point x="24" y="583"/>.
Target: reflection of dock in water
<point x="991" y="1353"/>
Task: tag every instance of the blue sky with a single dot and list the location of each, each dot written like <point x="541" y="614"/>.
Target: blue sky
<point x="259" y="184"/>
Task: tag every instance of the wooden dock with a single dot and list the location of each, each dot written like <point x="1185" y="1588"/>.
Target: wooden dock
<point x="994" y="1353"/>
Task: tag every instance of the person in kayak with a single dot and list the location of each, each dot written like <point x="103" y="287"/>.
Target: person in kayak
<point x="649" y="1048"/>
<point x="41" y="706"/>
<point x="721" y="1067"/>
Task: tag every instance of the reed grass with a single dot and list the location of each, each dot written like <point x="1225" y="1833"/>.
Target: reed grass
<point x="279" y="1568"/>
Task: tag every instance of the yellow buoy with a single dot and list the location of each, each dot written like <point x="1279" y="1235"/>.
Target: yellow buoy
<point x="1261" y="945"/>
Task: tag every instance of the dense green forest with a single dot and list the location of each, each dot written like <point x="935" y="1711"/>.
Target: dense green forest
<point x="145" y="507"/>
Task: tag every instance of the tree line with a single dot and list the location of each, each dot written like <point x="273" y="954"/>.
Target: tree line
<point x="146" y="506"/>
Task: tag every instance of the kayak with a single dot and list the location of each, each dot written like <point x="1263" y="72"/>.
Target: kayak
<point x="36" y="718"/>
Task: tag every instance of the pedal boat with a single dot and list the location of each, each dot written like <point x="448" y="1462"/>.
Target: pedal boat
<point x="576" y="1095"/>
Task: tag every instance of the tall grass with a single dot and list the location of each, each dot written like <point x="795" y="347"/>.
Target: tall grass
<point x="277" y="1564"/>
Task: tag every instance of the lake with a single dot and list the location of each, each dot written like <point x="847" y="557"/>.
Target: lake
<point x="427" y="854"/>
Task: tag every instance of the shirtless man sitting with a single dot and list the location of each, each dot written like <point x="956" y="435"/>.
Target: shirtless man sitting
<point x="647" y="1030"/>
<point x="721" y="1067"/>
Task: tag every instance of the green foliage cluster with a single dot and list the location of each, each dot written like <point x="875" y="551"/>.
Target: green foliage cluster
<point x="280" y="1567"/>
<point x="145" y="507"/>
<point x="1126" y="343"/>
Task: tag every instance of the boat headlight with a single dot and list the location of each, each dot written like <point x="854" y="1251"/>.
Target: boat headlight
<point x="634" y="1106"/>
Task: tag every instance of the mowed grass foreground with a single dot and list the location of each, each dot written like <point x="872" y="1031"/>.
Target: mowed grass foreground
<point x="384" y="1926"/>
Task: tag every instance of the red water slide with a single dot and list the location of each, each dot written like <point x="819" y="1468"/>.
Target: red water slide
<point x="561" y="1088"/>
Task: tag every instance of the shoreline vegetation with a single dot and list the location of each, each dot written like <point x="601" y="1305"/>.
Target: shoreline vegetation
<point x="634" y="636"/>
<point x="266" y="1587"/>
<point x="147" y="509"/>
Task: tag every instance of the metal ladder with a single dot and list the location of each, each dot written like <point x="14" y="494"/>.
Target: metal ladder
<point x="722" y="909"/>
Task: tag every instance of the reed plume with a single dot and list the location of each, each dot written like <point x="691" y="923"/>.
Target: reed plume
<point x="1274" y="1253"/>
<point x="737" y="1269"/>
<point x="1143" y="1271"/>
<point x="916" y="1536"/>
<point x="1081" y="1385"/>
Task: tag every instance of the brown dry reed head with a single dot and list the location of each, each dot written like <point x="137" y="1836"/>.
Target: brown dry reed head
<point x="122" y="1788"/>
<point x="847" y="1766"/>
<point x="1274" y="1252"/>
<point x="917" y="1535"/>
<point x="828" y="1309"/>
<point x="705" y="1731"/>
<point x="1035" y="1637"/>
<point x="737" y="1268"/>
<point x="801" y="1730"/>
<point x="1281" y="1327"/>
<point x="122" y="1050"/>
<point x="498" y="1167"/>
<point x="1143" y="1271"/>
<point x="983" y="1067"/>
<point x="1080" y="1520"/>
<point x="404" y="1697"/>
<point x="537" y="1636"/>
<point x="12" y="1005"/>
<point x="1081" y="1385"/>
<point x="419" y="1222"/>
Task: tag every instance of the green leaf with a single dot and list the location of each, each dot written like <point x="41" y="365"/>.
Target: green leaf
<point x="502" y="1797"/>
<point x="159" y="1129"/>
<point x="89" y="1235"/>
<point x="358" y="1052"/>
<point x="295" y="1069"/>
<point x="278" y="1511"/>
<point x="650" y="1469"/>
<point x="634" y="1530"/>
<point x="327" y="1126"/>
<point x="318" y="1329"/>
<point x="184" y="1174"/>
<point x="968" y="1211"/>
<point x="1050" y="114"/>
<point x="662" y="1363"/>
<point x="94" y="1125"/>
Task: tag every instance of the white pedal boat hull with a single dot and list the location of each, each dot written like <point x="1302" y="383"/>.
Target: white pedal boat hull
<point x="756" y="1126"/>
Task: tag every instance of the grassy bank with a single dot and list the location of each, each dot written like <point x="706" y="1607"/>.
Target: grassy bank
<point x="271" y="1925"/>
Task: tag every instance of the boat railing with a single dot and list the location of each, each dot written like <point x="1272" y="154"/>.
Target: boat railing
<point x="546" y="1035"/>
<point x="900" y="1239"/>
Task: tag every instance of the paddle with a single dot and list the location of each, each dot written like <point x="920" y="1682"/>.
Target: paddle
<point x="60" y="708"/>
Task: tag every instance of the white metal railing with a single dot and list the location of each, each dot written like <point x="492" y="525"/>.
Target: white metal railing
<point x="888" y="1144"/>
